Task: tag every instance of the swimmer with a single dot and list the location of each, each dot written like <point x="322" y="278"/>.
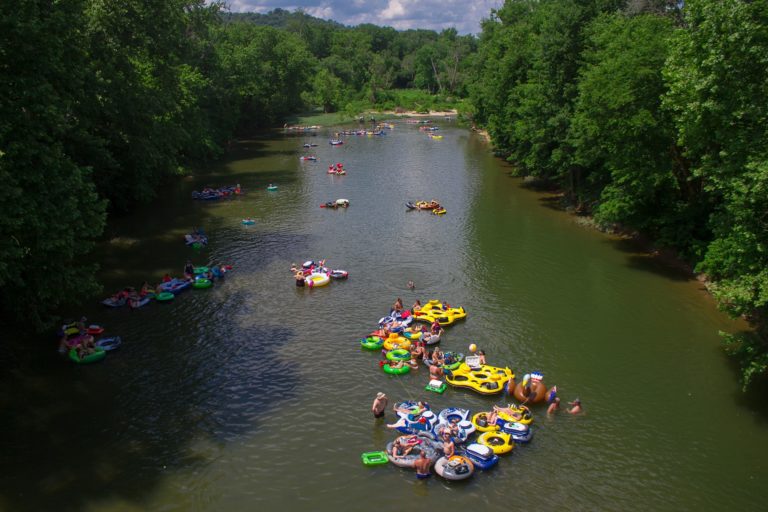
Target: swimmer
<point x="379" y="405"/>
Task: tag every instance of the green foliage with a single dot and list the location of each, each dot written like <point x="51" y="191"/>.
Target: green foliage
<point x="718" y="81"/>
<point x="649" y="120"/>
<point x="266" y="69"/>
<point x="51" y="213"/>
<point x="750" y="352"/>
<point x="620" y="134"/>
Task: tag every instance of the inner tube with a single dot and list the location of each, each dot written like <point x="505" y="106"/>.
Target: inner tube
<point x="339" y="274"/>
<point x="202" y="283"/>
<point x="98" y="355"/>
<point x="480" y="421"/>
<point x="109" y="343"/>
<point x="249" y="222"/>
<point x="200" y="270"/>
<point x="398" y="354"/>
<point x="372" y="343"/>
<point x="164" y="297"/>
<point x="457" y="467"/>
<point x="94" y="329"/>
<point x="315" y="280"/>
<point x="457" y="357"/>
<point x="499" y="442"/>
<point x="395" y="371"/>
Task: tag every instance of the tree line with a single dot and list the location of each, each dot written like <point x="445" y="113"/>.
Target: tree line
<point x="102" y="101"/>
<point x="648" y="114"/>
<point x="364" y="65"/>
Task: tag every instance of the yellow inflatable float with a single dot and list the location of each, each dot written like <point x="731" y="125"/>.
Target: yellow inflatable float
<point x="480" y="421"/>
<point x="486" y="380"/>
<point x="395" y="341"/>
<point x="434" y="310"/>
<point x="499" y="442"/>
<point x="520" y="414"/>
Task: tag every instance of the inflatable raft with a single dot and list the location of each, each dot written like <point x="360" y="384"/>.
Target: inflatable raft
<point x="457" y="467"/>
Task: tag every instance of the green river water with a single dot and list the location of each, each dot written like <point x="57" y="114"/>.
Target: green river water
<point x="255" y="395"/>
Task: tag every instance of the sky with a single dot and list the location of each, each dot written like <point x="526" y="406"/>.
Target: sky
<point x="464" y="15"/>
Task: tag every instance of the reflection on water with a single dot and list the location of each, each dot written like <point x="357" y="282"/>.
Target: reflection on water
<point x="256" y="394"/>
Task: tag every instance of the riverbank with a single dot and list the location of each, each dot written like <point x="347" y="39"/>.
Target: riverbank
<point x="340" y="118"/>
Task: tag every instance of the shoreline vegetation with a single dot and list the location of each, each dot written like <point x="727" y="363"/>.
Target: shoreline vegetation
<point x="340" y="118"/>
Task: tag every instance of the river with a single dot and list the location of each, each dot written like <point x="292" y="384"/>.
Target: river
<point x="256" y="395"/>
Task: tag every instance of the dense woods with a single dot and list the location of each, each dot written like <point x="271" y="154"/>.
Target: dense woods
<point x="648" y="114"/>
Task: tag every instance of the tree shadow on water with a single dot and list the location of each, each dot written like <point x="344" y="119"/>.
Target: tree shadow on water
<point x="75" y="436"/>
<point x="661" y="263"/>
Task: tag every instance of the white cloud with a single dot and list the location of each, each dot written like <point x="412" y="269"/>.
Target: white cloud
<point x="463" y="15"/>
<point x="393" y="11"/>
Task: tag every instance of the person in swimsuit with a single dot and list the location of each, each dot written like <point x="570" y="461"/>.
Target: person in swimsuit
<point x="435" y="372"/>
<point x="553" y="407"/>
<point x="576" y="407"/>
<point x="422" y="465"/>
<point x="379" y="405"/>
<point x="449" y="449"/>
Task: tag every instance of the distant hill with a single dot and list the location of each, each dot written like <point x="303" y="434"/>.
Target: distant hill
<point x="280" y="18"/>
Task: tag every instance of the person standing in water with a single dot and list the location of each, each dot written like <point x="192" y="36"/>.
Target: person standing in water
<point x="422" y="466"/>
<point x="379" y="405"/>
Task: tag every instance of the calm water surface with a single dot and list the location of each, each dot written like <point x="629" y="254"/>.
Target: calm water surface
<point x="256" y="395"/>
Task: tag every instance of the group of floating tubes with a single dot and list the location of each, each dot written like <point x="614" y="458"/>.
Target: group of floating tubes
<point x="424" y="430"/>
<point x="397" y="322"/>
<point x="208" y="193"/>
<point x="197" y="239"/>
<point x="339" y="203"/>
<point x="315" y="275"/>
<point x="423" y="205"/>
<point x="434" y="311"/>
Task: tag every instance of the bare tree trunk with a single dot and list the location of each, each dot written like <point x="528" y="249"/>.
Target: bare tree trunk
<point x="437" y="75"/>
<point x="453" y="74"/>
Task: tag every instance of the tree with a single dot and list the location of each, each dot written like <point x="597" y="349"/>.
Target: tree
<point x="51" y="213"/>
<point x="718" y="81"/>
